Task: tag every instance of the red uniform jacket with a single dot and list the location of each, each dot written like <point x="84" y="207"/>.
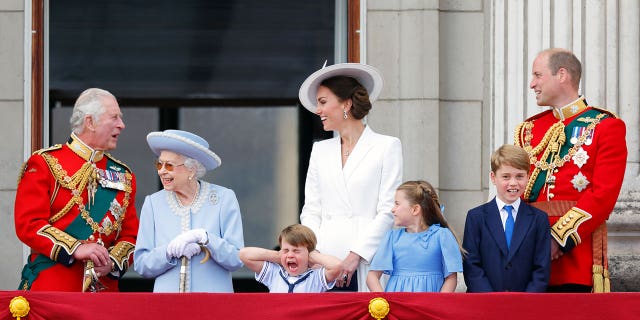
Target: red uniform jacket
<point x="48" y="218"/>
<point x="590" y="171"/>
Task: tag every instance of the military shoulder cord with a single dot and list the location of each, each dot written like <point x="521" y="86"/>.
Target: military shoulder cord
<point x="551" y="143"/>
<point x="77" y="183"/>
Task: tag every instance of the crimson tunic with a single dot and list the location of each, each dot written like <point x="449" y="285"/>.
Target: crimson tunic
<point x="42" y="194"/>
<point x="595" y="185"/>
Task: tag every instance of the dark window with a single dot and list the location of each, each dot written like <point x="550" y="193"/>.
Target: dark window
<point x="227" y="70"/>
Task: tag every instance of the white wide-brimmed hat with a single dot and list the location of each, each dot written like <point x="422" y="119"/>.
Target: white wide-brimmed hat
<point x="185" y="143"/>
<point x="368" y="76"/>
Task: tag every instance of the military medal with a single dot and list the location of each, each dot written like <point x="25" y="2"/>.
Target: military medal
<point x="575" y="134"/>
<point x="589" y="138"/>
<point x="116" y="209"/>
<point x="112" y="179"/>
<point x="580" y="182"/>
<point x="580" y="158"/>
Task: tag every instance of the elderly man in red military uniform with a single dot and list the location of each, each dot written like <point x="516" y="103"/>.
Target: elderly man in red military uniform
<point x="578" y="157"/>
<point x="75" y="204"/>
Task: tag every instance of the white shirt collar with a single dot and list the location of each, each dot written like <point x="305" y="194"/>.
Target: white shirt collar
<point x="503" y="213"/>
<point x="515" y="205"/>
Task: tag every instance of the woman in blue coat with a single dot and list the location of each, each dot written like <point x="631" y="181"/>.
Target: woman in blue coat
<point x="190" y="221"/>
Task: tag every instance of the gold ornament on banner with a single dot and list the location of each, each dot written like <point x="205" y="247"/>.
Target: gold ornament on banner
<point x="378" y="308"/>
<point x="19" y="307"/>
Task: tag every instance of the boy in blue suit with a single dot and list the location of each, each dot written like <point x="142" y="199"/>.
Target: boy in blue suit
<point x="507" y="240"/>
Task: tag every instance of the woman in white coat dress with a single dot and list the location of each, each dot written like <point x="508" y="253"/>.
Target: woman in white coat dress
<point x="352" y="178"/>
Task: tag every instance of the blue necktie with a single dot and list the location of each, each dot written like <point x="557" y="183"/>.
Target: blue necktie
<point x="508" y="226"/>
<point x="293" y="285"/>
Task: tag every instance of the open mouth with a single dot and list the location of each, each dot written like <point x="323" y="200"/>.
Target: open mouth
<point x="292" y="267"/>
<point x="166" y="180"/>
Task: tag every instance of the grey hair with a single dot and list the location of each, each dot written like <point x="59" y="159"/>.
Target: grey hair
<point x="88" y="103"/>
<point x="195" y="165"/>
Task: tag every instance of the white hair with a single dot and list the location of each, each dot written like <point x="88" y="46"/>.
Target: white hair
<point x="195" y="165"/>
<point x="90" y="102"/>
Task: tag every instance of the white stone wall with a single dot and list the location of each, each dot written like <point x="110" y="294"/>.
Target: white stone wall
<point x="432" y="55"/>
<point x="11" y="130"/>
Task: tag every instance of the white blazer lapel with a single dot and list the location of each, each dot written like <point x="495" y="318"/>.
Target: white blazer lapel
<point x="334" y="157"/>
<point x="362" y="147"/>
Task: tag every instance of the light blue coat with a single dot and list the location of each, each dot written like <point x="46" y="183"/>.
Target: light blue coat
<point x="216" y="210"/>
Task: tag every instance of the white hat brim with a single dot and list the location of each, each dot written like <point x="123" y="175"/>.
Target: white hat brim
<point x="163" y="140"/>
<point x="368" y="76"/>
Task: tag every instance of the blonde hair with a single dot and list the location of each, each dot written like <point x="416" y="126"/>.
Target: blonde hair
<point x="511" y="155"/>
<point x="298" y="235"/>
<point x="422" y="193"/>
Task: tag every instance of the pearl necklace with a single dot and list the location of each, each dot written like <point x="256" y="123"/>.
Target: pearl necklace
<point x="193" y="200"/>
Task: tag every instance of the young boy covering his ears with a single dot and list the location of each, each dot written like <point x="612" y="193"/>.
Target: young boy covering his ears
<point x="288" y="270"/>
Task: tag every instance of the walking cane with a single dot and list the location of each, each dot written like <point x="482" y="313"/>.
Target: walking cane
<point x="183" y="274"/>
<point x="183" y="267"/>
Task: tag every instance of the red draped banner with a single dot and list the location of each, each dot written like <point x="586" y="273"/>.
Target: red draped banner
<point x="265" y="306"/>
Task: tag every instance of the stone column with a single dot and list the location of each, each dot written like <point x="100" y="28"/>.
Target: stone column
<point x="12" y="107"/>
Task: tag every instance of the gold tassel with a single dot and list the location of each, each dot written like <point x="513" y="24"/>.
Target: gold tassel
<point x="607" y="281"/>
<point x="598" y="281"/>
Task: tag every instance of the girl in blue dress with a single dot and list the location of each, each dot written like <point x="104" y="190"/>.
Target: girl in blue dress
<point x="421" y="256"/>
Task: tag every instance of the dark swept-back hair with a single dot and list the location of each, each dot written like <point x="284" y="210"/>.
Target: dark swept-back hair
<point x="349" y="88"/>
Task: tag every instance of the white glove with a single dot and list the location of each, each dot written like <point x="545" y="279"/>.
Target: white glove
<point x="195" y="236"/>
<point x="176" y="247"/>
<point x="191" y="250"/>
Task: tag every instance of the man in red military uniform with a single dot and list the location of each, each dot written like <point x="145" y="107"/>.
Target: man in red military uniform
<point x="578" y="157"/>
<point x="75" y="205"/>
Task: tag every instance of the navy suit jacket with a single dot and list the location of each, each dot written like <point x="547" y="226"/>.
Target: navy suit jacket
<point x="490" y="266"/>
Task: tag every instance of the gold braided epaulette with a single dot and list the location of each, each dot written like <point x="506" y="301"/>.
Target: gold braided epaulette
<point x="538" y="115"/>
<point x="118" y="161"/>
<point x="52" y="148"/>
<point x="37" y="152"/>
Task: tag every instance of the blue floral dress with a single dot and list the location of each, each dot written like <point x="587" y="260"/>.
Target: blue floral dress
<point x="417" y="262"/>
